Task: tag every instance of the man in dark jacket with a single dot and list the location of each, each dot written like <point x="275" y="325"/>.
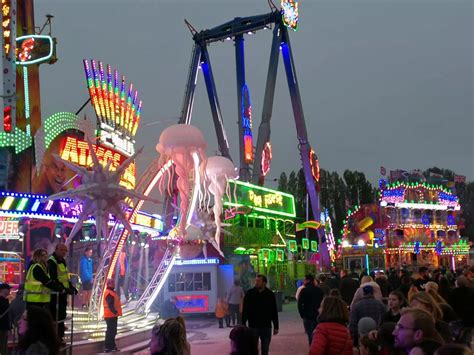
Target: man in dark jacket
<point x="348" y="287"/>
<point x="366" y="307"/>
<point x="308" y="305"/>
<point x="260" y="310"/>
<point x="58" y="272"/>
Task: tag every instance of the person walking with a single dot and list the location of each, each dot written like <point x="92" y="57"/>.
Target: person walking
<point x="348" y="287"/>
<point x="59" y="272"/>
<point x="309" y="301"/>
<point x="38" y="283"/>
<point x="86" y="268"/>
<point x="260" y="311"/>
<point x="368" y="306"/>
<point x="122" y="273"/>
<point x="112" y="310"/>
<point x="235" y="297"/>
<point x="331" y="335"/>
<point x="222" y="312"/>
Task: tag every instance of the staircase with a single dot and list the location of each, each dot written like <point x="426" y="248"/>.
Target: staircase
<point x="159" y="278"/>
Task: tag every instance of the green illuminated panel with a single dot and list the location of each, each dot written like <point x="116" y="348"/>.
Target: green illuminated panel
<point x="57" y="123"/>
<point x="305" y="243"/>
<point x="314" y="245"/>
<point x="292" y="246"/>
<point x="262" y="199"/>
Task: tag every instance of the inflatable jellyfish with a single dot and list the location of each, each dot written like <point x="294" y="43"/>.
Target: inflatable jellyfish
<point x="185" y="146"/>
<point x="219" y="170"/>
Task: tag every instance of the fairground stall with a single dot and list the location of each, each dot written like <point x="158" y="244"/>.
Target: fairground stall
<point x="262" y="228"/>
<point x="415" y="224"/>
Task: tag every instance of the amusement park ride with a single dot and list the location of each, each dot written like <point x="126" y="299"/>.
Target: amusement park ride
<point x="281" y="20"/>
<point x="118" y="113"/>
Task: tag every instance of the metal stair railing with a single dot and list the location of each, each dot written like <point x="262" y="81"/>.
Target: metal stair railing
<point x="113" y="242"/>
<point x="157" y="282"/>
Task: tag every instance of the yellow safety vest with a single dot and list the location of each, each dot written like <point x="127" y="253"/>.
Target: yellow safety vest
<point x="63" y="273"/>
<point x="35" y="291"/>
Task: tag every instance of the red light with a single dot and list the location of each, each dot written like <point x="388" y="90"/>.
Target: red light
<point x="7" y="119"/>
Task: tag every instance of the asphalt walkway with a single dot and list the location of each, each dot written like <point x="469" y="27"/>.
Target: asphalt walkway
<point x="207" y="339"/>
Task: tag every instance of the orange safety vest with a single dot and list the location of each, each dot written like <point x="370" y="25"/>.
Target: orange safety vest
<point x="117" y="305"/>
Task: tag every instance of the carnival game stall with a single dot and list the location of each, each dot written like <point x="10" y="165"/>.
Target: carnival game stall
<point x="414" y="224"/>
<point x="261" y="228"/>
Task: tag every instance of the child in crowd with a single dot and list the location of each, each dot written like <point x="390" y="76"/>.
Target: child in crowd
<point x="222" y="312"/>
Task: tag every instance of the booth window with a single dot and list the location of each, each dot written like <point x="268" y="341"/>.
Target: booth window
<point x="189" y="281"/>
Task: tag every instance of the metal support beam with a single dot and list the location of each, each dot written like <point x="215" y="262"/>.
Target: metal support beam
<point x="214" y="102"/>
<point x="188" y="101"/>
<point x="304" y="146"/>
<point x="244" y="172"/>
<point x="264" y="129"/>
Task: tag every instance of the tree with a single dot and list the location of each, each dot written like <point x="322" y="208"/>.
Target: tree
<point x="466" y="199"/>
<point x="283" y="182"/>
<point x="292" y="183"/>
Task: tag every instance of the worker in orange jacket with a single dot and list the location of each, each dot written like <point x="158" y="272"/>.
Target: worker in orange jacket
<point x="112" y="310"/>
<point x="222" y="311"/>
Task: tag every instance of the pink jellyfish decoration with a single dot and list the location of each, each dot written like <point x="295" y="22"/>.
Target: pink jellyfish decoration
<point x="185" y="146"/>
<point x="219" y="170"/>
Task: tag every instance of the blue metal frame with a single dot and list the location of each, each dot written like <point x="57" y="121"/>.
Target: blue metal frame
<point x="236" y="29"/>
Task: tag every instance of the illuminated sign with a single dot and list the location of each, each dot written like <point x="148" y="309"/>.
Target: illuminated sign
<point x="262" y="199"/>
<point x="193" y="304"/>
<point x="290" y="13"/>
<point x="8" y="26"/>
<point x="314" y="162"/>
<point x="266" y="158"/>
<point x="117" y="109"/>
<point x="77" y="152"/>
<point x="8" y="19"/>
<point x="34" y="49"/>
<point x="9" y="229"/>
<point x="37" y="206"/>
<point x="247" y="125"/>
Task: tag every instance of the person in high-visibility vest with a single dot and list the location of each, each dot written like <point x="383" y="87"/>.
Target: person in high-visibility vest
<point x="112" y="310"/>
<point x="58" y="271"/>
<point x="38" y="284"/>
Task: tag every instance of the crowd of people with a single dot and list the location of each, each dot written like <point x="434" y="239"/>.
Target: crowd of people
<point x="398" y="312"/>
<point x="393" y="313"/>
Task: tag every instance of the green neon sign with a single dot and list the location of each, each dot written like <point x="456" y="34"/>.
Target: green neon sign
<point x="262" y="199"/>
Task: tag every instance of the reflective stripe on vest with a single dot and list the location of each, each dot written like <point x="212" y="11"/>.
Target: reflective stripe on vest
<point x="63" y="273"/>
<point x="117" y="305"/>
<point x="35" y="291"/>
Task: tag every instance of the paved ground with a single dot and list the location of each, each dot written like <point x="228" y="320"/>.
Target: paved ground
<point x="206" y="338"/>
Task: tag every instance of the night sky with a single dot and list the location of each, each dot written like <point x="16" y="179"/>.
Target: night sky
<point x="383" y="82"/>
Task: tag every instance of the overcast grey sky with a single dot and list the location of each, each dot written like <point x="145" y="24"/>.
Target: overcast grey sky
<point x="383" y="82"/>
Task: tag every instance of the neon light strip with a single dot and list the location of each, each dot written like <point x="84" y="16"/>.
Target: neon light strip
<point x="128" y="108"/>
<point x="27" y="99"/>
<point x="162" y="281"/>
<point x="110" y="91"/>
<point x="103" y="89"/>
<point x="35" y="205"/>
<point x="49" y="205"/>
<point x="137" y="120"/>
<point x="22" y="204"/>
<point x="7" y="203"/>
<point x="124" y="235"/>
<point x="122" y="103"/>
<point x="197" y="184"/>
<point x="422" y="206"/>
<point x="116" y="98"/>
